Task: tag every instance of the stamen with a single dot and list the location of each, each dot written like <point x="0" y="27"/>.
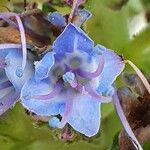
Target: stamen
<point x="140" y="74"/>
<point x="96" y="96"/>
<point x="8" y="46"/>
<point x="19" y="71"/>
<point x="68" y="109"/>
<point x="75" y="6"/>
<point x="8" y="101"/>
<point x="5" y="84"/>
<point x="70" y="78"/>
<point x="8" y="21"/>
<point x="95" y="74"/>
<point x="125" y="122"/>
<point x="57" y="89"/>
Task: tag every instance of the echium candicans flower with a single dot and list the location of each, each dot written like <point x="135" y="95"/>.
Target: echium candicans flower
<point x="14" y="70"/>
<point x="73" y="80"/>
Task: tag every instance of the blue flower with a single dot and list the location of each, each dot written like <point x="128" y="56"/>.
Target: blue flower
<point x="10" y="83"/>
<point x="73" y="80"/>
<point x="15" y="68"/>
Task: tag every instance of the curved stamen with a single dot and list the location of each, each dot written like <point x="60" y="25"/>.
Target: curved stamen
<point x="75" y="6"/>
<point x="8" y="21"/>
<point x="5" y="84"/>
<point x="125" y="122"/>
<point x="68" y="109"/>
<point x="95" y="74"/>
<point x="19" y="71"/>
<point x="13" y="46"/>
<point x="96" y="96"/>
<point x="7" y="46"/>
<point x="140" y="74"/>
<point x="57" y="89"/>
<point x="8" y="101"/>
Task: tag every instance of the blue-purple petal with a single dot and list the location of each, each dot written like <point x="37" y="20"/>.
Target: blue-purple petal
<point x="41" y="107"/>
<point x="85" y="116"/>
<point x="71" y="39"/>
<point x="83" y="15"/>
<point x="113" y="66"/>
<point x="57" y="19"/>
<point x="43" y="66"/>
<point x="13" y="61"/>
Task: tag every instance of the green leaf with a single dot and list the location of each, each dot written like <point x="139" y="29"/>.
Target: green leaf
<point x="46" y="8"/>
<point x="115" y="145"/>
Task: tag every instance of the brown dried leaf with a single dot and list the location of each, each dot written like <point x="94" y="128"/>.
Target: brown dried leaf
<point x="137" y="111"/>
<point x="12" y="35"/>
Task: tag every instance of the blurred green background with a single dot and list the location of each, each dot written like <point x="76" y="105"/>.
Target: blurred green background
<point x="121" y="25"/>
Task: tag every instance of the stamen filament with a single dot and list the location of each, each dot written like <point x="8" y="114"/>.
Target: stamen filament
<point x="8" y="21"/>
<point x="140" y="74"/>
<point x="52" y="94"/>
<point x="7" y="46"/>
<point x="19" y="71"/>
<point x="95" y="74"/>
<point x="96" y="96"/>
<point x="75" y="6"/>
<point x="125" y="122"/>
<point x="68" y="109"/>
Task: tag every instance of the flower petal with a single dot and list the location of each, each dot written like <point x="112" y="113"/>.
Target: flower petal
<point x="3" y="79"/>
<point x="112" y="68"/>
<point x="8" y="101"/>
<point x="40" y="107"/>
<point x="85" y="116"/>
<point x="57" y="19"/>
<point x="71" y="39"/>
<point x="43" y="67"/>
<point x="83" y="15"/>
<point x="13" y="60"/>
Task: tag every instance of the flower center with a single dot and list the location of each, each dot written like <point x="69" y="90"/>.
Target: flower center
<point x="72" y="77"/>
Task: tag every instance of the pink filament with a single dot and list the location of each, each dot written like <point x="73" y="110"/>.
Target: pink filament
<point x="52" y="94"/>
<point x="75" y="6"/>
<point x="97" y="96"/>
<point x="68" y="109"/>
<point x="125" y="122"/>
<point x="22" y="34"/>
<point x="95" y="74"/>
<point x="9" y="46"/>
<point x="140" y="74"/>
